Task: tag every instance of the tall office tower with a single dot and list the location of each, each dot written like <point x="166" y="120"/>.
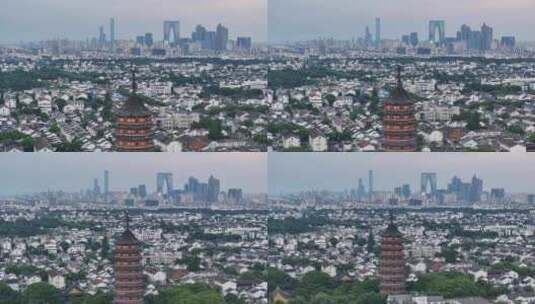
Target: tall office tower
<point x="235" y="195"/>
<point x="209" y="43"/>
<point x="221" y="39"/>
<point x="486" y="37"/>
<point x="106" y="185"/>
<point x="133" y="132"/>
<point x="148" y="40"/>
<point x="508" y="42"/>
<point x="428" y="183"/>
<point x="377" y="32"/>
<point x="128" y="269"/>
<point x="476" y="41"/>
<point x="367" y="37"/>
<point x="199" y="35"/>
<point x="101" y="36"/>
<point x="244" y="43"/>
<point x="437" y="26"/>
<point x="361" y="191"/>
<point x="406" y="190"/>
<point x="414" y="39"/>
<point x="112" y="34"/>
<point x="96" y="188"/>
<point x="142" y="191"/>
<point x="140" y="40"/>
<point x="164" y="179"/>
<point x="171" y="31"/>
<point x="399" y="121"/>
<point x="392" y="273"/>
<point x="476" y="189"/>
<point x="370" y="185"/>
<point x="214" y="187"/>
<point x="465" y="33"/>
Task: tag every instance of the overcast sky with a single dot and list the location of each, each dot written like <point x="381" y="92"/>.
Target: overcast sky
<point x="33" y="172"/>
<point x="32" y="20"/>
<point x="295" y="172"/>
<point x="295" y="20"/>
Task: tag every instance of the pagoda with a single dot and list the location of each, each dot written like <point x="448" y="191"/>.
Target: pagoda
<point x="392" y="273"/>
<point x="399" y="120"/>
<point x="129" y="283"/>
<point x="134" y="130"/>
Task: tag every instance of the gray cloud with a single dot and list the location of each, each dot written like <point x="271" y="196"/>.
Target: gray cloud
<point x="290" y="20"/>
<point x="30" y="20"/>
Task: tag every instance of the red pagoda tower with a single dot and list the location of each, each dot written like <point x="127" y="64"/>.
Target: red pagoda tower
<point x="129" y="284"/>
<point x="399" y="121"/>
<point x="134" y="129"/>
<point x="392" y="273"/>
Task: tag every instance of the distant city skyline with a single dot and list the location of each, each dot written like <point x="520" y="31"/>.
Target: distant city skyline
<point x="293" y="172"/>
<point x="299" y="20"/>
<point x="72" y="172"/>
<point x="32" y="20"/>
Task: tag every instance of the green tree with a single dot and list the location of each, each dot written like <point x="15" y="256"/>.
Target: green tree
<point x="41" y="293"/>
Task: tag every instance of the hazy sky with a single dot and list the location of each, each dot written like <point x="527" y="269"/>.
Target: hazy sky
<point x="31" y="20"/>
<point x="294" y="20"/>
<point x="31" y="172"/>
<point x="293" y="172"/>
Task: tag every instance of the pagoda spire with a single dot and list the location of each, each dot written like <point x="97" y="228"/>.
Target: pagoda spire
<point x="134" y="84"/>
<point x="400" y="83"/>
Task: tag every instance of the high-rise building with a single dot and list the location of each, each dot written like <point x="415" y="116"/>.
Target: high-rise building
<point x="129" y="281"/>
<point x="101" y="36"/>
<point x="486" y="37"/>
<point x="244" y="43"/>
<point x="377" y="32"/>
<point x="96" y="188"/>
<point x="508" y="42"/>
<point x="164" y="179"/>
<point x="399" y="120"/>
<point x="142" y="191"/>
<point x="428" y="183"/>
<point x="370" y="185"/>
<point x="171" y="31"/>
<point x="134" y="130"/>
<point x="214" y="188"/>
<point x="437" y="27"/>
<point x="149" y="41"/>
<point x="235" y="195"/>
<point x="106" y="185"/>
<point x="414" y="39"/>
<point x="361" y="190"/>
<point x="476" y="189"/>
<point x="392" y="273"/>
<point x="112" y="34"/>
<point x="221" y="39"/>
<point x="199" y="35"/>
<point x="368" y="38"/>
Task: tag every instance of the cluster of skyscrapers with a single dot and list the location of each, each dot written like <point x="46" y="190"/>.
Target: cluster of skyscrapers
<point x="193" y="191"/>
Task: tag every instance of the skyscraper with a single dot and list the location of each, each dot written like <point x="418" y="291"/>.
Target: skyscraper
<point x="221" y="39"/>
<point x="112" y="34"/>
<point x="244" y="43"/>
<point x="101" y="36"/>
<point x="377" y="32"/>
<point x="437" y="26"/>
<point x="148" y="39"/>
<point x="213" y="189"/>
<point x="428" y="183"/>
<point x="370" y="185"/>
<point x="171" y="31"/>
<point x="164" y="179"/>
<point x="486" y="37"/>
<point x="106" y="185"/>
<point x="414" y="39"/>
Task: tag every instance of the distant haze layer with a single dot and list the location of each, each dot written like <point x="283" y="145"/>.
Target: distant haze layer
<point x="29" y="172"/>
<point x="34" y="20"/>
<point x="297" y="20"/>
<point x="295" y="172"/>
